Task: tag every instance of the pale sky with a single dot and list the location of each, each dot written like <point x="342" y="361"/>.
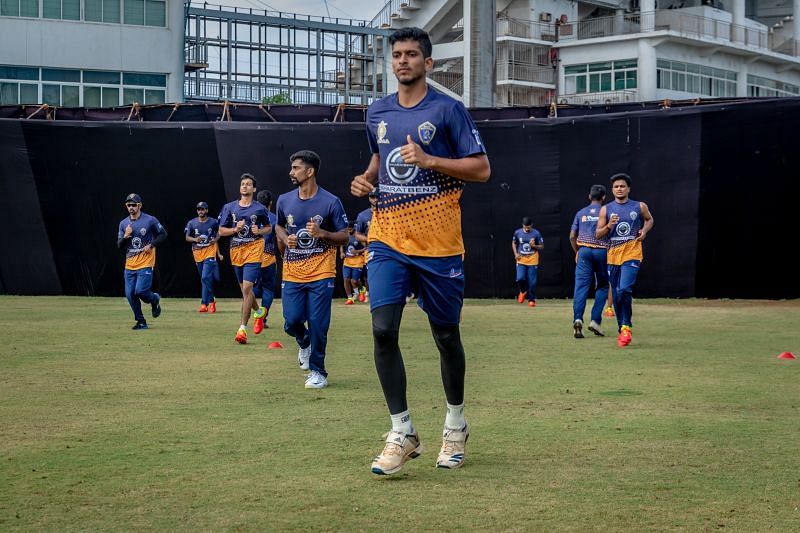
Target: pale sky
<point x="357" y="9"/>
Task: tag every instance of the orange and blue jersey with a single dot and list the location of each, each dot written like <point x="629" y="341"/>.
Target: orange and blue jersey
<point x="622" y="243"/>
<point x="145" y="229"/>
<point x="246" y="247"/>
<point x="529" y="256"/>
<point x="584" y="225"/>
<point x="419" y="210"/>
<point x="354" y="253"/>
<point x="363" y="220"/>
<point x="312" y="259"/>
<point x="206" y="233"/>
<point x="268" y="257"/>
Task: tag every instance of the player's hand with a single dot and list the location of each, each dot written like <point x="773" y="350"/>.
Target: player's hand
<point x="413" y="154"/>
<point x="128" y="231"/>
<point x="220" y="257"/>
<point x="313" y="228"/>
<point x="239" y="225"/>
<point x="147" y="247"/>
<point x="641" y="236"/>
<point x="517" y="257"/>
<point x="291" y="241"/>
<point x="614" y="220"/>
<point x="361" y="186"/>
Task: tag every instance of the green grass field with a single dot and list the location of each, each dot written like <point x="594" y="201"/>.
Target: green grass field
<point x="693" y="427"/>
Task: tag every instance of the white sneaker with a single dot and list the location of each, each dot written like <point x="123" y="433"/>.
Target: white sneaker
<point x="398" y="449"/>
<point x="577" y="328"/>
<point x="595" y="328"/>
<point x="303" y="355"/>
<point x="316" y="380"/>
<point x="452" y="453"/>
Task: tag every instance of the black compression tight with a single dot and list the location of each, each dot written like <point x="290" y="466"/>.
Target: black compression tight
<point x="389" y="361"/>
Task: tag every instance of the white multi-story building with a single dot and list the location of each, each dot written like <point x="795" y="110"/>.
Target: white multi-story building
<point x="600" y="51"/>
<point x="91" y="53"/>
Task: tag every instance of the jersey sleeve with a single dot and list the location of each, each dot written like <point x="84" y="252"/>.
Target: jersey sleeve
<point x="224" y="217"/>
<point x="188" y="229"/>
<point x="121" y="232"/>
<point x="280" y="217"/>
<point x="338" y="215"/>
<point x="575" y="223"/>
<point x="462" y="134"/>
<point x="371" y="139"/>
<point x="214" y="227"/>
<point x="156" y="227"/>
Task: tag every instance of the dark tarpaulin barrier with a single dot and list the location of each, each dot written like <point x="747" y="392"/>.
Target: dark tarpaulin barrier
<point x="693" y="165"/>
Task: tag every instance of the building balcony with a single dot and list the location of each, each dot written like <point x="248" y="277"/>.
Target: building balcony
<point x="522" y="72"/>
<point x="601" y="98"/>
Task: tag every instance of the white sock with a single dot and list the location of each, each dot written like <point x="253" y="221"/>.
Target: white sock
<point x="455" y="417"/>
<point x="243" y="327"/>
<point x="402" y="422"/>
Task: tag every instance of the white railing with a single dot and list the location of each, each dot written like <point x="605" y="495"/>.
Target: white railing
<point x="510" y="70"/>
<point x="526" y="29"/>
<point x="384" y="17"/>
<point x="249" y="92"/>
<point x="608" y="97"/>
<point x="196" y="54"/>
<point x="693" y="26"/>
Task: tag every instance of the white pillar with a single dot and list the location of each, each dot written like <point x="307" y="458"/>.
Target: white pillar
<point x="796" y="22"/>
<point x="737" y="32"/>
<point x="468" y="29"/>
<point x="648" y="14"/>
<point x="619" y="21"/>
<point x="647" y="71"/>
<point x="741" y="80"/>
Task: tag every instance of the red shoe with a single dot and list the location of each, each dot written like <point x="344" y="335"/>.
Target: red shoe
<point x="349" y="301"/>
<point x="203" y="308"/>
<point x="609" y="311"/>
<point x="521" y="297"/>
<point x="624" y="338"/>
<point x="258" y="323"/>
<point x="241" y="336"/>
<point x="212" y="307"/>
<point x="361" y="297"/>
<point x="531" y="304"/>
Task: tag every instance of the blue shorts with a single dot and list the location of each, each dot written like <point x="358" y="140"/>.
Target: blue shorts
<point x="248" y="272"/>
<point x="351" y="273"/>
<point x="438" y="282"/>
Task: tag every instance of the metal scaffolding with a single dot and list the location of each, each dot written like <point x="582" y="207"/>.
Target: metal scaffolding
<point x="248" y="55"/>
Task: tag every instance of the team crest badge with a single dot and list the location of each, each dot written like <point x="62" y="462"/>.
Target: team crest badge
<point x="426" y="131"/>
<point x="253" y="219"/>
<point x="142" y="231"/>
<point x="317" y="219"/>
<point x="633" y="215"/>
<point x="382" y="133"/>
<point x="289" y="220"/>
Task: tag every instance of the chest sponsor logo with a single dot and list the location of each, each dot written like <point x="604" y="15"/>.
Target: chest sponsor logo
<point x="382" y="133"/>
<point x="623" y="229"/>
<point x="426" y="131"/>
<point x="402" y="174"/>
<point x="136" y="243"/>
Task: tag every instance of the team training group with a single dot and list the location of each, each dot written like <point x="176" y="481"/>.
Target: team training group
<point x="424" y="148"/>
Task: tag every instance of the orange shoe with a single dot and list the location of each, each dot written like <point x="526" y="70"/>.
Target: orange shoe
<point x="349" y="301"/>
<point x="609" y="311"/>
<point x="625" y="337"/>
<point x="521" y="297"/>
<point x="241" y="336"/>
<point x="212" y="307"/>
<point x="531" y="304"/>
<point x="361" y="297"/>
<point x="258" y="323"/>
<point x="203" y="308"/>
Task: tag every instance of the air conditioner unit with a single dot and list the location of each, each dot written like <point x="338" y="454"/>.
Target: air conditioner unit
<point x="545" y="17"/>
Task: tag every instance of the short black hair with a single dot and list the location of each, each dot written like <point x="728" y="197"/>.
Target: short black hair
<point x="526" y="221"/>
<point x="264" y="197"/>
<point x="413" y="34"/>
<point x="309" y="158"/>
<point x="596" y="192"/>
<point x="248" y="176"/>
<point x="620" y="176"/>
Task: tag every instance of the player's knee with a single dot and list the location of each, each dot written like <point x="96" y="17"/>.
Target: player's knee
<point x="385" y="336"/>
<point x="447" y="337"/>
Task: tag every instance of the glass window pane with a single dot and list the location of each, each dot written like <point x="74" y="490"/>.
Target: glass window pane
<point x="51" y="94"/>
<point x="71" y="9"/>
<point x="61" y="74"/>
<point x="596" y="67"/>
<point x="594" y="83"/>
<point x="154" y="97"/>
<point x="661" y="63"/>
<point x="628" y="63"/>
<point x="91" y="97"/>
<point x="51" y="9"/>
<point x="151" y="80"/>
<point x="70" y="96"/>
<point x="569" y="82"/>
<point x="9" y="8"/>
<point x="8" y="93"/>
<point x="29" y="8"/>
<point x="575" y="69"/>
<point x="93" y="10"/>
<point x="619" y="84"/>
<point x="28" y="93"/>
<point x="18" y="73"/>
<point x="98" y="76"/>
<point x="155" y="13"/>
<point x="134" y="12"/>
<point x="581" y="84"/>
<point x="605" y="81"/>
<point x="130" y="96"/>
<point x="110" y="97"/>
<point x="111" y="10"/>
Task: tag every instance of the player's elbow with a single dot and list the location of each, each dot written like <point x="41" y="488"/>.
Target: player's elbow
<point x="484" y="171"/>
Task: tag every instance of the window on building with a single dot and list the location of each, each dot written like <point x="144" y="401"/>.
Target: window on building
<point x="146" y="12"/>
<point x="697" y="79"/>
<point x="758" y="86"/>
<point x="19" y="8"/>
<point x="601" y="77"/>
<point x="18" y="93"/>
<point x="101" y="10"/>
<point x="61" y="9"/>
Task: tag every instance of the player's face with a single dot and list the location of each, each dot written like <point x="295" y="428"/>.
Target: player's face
<point x="373" y="201"/>
<point x="133" y="208"/>
<point x="246" y="187"/>
<point x="527" y="229"/>
<point x="202" y="212"/>
<point x="620" y="189"/>
<point x="408" y="63"/>
<point x="300" y="172"/>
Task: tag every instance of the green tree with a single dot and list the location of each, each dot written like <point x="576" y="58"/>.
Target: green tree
<point x="279" y="98"/>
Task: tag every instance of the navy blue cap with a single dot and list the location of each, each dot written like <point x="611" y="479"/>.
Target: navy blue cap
<point x="202" y="205"/>
<point x="133" y="197"/>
